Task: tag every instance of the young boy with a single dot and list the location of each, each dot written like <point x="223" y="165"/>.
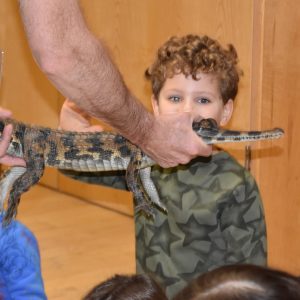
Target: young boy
<point x="215" y="215"/>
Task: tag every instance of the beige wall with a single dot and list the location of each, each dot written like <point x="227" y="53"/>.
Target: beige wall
<point x="263" y="31"/>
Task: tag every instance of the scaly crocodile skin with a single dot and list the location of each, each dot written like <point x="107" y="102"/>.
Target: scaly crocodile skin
<point x="101" y="151"/>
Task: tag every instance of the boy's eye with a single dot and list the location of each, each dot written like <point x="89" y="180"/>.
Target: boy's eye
<point x="203" y="100"/>
<point x="174" y="98"/>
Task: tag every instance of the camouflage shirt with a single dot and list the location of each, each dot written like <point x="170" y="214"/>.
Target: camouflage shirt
<point x="215" y="217"/>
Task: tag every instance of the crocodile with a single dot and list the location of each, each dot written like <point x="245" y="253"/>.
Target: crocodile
<point x="98" y="151"/>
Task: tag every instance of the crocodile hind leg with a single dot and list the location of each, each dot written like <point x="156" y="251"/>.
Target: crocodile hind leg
<point x="134" y="184"/>
<point x="21" y="185"/>
<point x="35" y="165"/>
<point x="6" y="181"/>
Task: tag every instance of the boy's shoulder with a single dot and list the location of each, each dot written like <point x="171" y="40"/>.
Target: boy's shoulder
<point x="226" y="163"/>
<point x="222" y="167"/>
<point x="223" y="158"/>
<point x="220" y="162"/>
<point x="220" y="170"/>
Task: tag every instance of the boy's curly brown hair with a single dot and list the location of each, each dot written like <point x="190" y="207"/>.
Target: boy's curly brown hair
<point x="192" y="54"/>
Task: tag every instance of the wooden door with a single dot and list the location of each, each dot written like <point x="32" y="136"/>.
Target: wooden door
<point x="277" y="163"/>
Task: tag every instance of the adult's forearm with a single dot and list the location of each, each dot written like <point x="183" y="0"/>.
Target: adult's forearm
<point x="78" y="64"/>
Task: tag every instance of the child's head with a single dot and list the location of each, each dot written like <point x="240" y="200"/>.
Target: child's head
<point x="234" y="282"/>
<point x="193" y="70"/>
<point x="127" y="287"/>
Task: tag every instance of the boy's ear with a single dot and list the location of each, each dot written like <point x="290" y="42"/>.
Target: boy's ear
<point x="155" y="106"/>
<point x="227" y="112"/>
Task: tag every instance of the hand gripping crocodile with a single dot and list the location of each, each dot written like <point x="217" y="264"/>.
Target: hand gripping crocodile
<point x="90" y="152"/>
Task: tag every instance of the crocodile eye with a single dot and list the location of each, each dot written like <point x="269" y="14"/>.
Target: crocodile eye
<point x="213" y="123"/>
<point x="209" y="123"/>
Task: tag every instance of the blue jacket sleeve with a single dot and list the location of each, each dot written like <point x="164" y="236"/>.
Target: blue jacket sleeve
<point x="20" y="268"/>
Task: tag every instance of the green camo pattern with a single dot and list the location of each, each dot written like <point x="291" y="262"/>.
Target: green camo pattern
<point x="215" y="217"/>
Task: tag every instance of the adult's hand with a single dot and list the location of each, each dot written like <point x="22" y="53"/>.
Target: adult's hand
<point x="4" y="143"/>
<point x="171" y="140"/>
<point x="74" y="118"/>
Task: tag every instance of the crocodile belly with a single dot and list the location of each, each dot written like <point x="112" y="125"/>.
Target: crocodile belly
<point x="91" y="164"/>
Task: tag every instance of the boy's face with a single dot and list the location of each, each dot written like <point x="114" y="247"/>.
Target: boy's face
<point x="200" y="97"/>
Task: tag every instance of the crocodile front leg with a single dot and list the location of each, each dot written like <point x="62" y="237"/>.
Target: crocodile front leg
<point x="142" y="203"/>
<point x="35" y="165"/>
<point x="150" y="188"/>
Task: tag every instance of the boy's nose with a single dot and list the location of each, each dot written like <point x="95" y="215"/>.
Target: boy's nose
<point x="188" y="107"/>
